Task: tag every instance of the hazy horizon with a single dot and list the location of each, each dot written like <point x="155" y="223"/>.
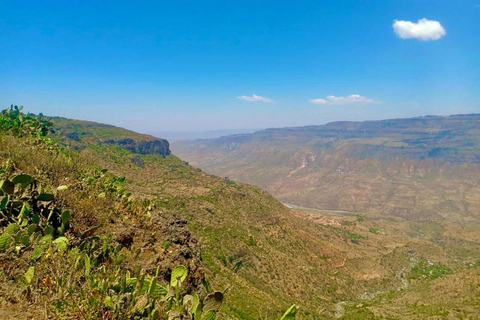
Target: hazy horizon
<point x="194" y="135"/>
<point x="211" y="134"/>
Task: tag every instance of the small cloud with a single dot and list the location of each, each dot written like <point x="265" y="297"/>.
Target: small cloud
<point x="339" y="100"/>
<point x="255" y="98"/>
<point x="424" y="29"/>
<point x="318" y="101"/>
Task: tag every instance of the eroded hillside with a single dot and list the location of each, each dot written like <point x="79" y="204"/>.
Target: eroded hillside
<point x="422" y="167"/>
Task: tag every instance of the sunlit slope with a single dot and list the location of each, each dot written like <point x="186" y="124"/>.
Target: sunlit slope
<point x="251" y="243"/>
<point x="269" y="256"/>
<point x="73" y="243"/>
<point x="428" y="166"/>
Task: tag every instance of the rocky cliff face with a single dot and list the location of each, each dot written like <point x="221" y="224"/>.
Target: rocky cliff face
<point x="77" y="134"/>
<point x="157" y="146"/>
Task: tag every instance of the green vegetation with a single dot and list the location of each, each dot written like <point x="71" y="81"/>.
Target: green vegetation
<point x="347" y="233"/>
<point x="427" y="269"/>
<point x="474" y="264"/>
<point x="14" y="122"/>
<point x="78" y="241"/>
<point x="290" y="313"/>
<point x="54" y="247"/>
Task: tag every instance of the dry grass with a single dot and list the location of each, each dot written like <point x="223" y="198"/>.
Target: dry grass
<point x="267" y="255"/>
<point x="98" y="216"/>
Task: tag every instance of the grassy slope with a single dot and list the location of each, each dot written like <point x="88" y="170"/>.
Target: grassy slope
<point x="98" y="216"/>
<point x="256" y="247"/>
<point x="426" y="167"/>
<point x="93" y="132"/>
<point x="250" y="242"/>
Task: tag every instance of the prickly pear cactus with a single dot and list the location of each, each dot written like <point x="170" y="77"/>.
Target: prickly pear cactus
<point x="179" y="274"/>
<point x="290" y="313"/>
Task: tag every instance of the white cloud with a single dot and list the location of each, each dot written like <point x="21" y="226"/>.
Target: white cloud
<point x="334" y="100"/>
<point x="255" y="98"/>
<point x="424" y="29"/>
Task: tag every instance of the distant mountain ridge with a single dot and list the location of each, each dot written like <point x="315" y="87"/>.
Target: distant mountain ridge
<point x="453" y="138"/>
<point x="194" y="135"/>
<point x="417" y="166"/>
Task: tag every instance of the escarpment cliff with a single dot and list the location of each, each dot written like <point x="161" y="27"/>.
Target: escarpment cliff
<point x="157" y="146"/>
<point x="77" y="134"/>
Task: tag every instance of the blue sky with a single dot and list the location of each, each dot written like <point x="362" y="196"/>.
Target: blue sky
<point x="196" y="65"/>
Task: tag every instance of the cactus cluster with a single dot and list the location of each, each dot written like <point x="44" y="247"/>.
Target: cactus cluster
<point x="29" y="214"/>
<point x="14" y="122"/>
<point x="33" y="221"/>
<point x="122" y="295"/>
<point x="82" y="275"/>
<point x="201" y="306"/>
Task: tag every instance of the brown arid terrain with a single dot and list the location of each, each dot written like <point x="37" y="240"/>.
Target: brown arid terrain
<point x="447" y="284"/>
<point x="417" y="181"/>
<point x="428" y="166"/>
<point x="334" y="264"/>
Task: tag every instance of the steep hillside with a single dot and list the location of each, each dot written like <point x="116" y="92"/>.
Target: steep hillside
<point x="251" y="243"/>
<point x="262" y="251"/>
<point x="75" y="245"/>
<point x="421" y="167"/>
<point x="131" y="209"/>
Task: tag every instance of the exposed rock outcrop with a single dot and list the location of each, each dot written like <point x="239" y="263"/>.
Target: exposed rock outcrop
<point x="157" y="146"/>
